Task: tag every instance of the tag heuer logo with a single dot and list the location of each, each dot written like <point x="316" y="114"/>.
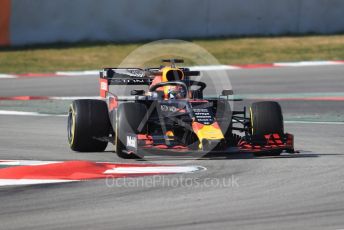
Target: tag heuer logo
<point x="131" y="141"/>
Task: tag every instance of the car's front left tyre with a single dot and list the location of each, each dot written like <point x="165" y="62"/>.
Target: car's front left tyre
<point x="88" y="125"/>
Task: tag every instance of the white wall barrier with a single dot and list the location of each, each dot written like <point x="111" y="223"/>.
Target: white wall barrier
<point x="46" y="21"/>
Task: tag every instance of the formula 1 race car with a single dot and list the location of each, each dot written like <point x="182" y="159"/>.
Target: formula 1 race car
<point x="172" y="117"/>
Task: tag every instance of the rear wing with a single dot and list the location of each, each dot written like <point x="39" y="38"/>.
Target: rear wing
<point x="132" y="76"/>
<point x="122" y="76"/>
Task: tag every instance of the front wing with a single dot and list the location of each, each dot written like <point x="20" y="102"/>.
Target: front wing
<point x="272" y="142"/>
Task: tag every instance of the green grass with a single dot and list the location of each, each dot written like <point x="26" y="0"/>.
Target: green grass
<point x="85" y="56"/>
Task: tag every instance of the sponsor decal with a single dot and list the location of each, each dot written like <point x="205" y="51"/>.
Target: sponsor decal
<point x="132" y="141"/>
<point x="203" y="116"/>
<point x="129" y="81"/>
<point x="166" y="108"/>
<point x="136" y="72"/>
<point x="103" y="86"/>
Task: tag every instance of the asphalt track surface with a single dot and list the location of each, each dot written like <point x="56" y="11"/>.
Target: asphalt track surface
<point x="301" y="191"/>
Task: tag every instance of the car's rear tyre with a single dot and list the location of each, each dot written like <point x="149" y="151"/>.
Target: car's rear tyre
<point x="129" y="118"/>
<point x="266" y="118"/>
<point x="88" y="122"/>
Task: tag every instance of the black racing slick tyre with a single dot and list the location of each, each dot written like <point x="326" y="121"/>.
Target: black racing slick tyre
<point x="88" y="123"/>
<point x="129" y="119"/>
<point x="266" y="118"/>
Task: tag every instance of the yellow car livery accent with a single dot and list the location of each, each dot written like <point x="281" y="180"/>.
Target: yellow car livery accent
<point x="73" y="125"/>
<point x="169" y="134"/>
<point x="251" y="119"/>
<point x="208" y="132"/>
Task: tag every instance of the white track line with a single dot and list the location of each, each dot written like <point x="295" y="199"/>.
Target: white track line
<point x="27" y="98"/>
<point x="200" y="68"/>
<point x="157" y="169"/>
<point x="21" y="113"/>
<point x="78" y="73"/>
<point x="316" y="122"/>
<point x="26" y="162"/>
<point x="213" y="67"/>
<point x="306" y="63"/>
<point x="74" y="98"/>
<point x="5" y="76"/>
<point x="116" y="170"/>
<point x="9" y="182"/>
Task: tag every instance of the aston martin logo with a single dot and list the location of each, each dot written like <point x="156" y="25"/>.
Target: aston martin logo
<point x="166" y="108"/>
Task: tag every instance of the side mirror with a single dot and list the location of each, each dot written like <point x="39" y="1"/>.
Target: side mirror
<point x="227" y="92"/>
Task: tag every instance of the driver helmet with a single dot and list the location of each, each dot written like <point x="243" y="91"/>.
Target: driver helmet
<point x="175" y="92"/>
<point x="173" y="74"/>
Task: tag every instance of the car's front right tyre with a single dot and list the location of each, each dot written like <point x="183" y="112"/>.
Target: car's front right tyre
<point x="266" y="118"/>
